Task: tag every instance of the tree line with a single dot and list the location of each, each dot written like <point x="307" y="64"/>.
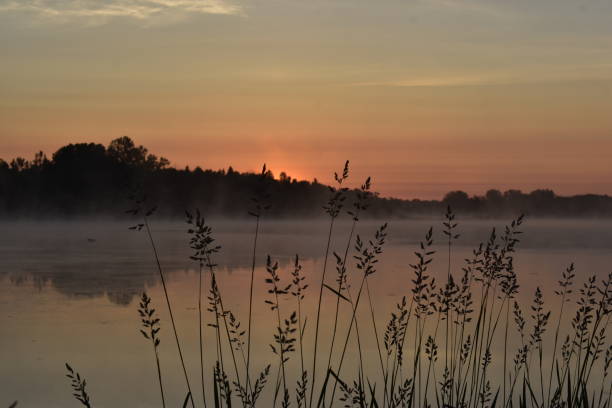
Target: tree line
<point x="90" y="179"/>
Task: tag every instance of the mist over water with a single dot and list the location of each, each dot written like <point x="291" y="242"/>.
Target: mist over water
<point x="69" y="292"/>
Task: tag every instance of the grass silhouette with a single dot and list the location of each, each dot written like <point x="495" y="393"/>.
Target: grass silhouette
<point x="438" y="347"/>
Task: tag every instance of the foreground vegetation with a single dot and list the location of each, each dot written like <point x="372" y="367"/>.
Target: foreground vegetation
<point x="446" y="344"/>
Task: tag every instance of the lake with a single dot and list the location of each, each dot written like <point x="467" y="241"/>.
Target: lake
<point x="69" y="292"/>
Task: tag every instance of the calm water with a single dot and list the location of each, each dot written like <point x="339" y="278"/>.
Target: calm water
<point x="69" y="293"/>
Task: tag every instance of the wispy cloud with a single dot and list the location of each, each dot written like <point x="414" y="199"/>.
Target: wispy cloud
<point x="100" y="11"/>
<point x="432" y="82"/>
<point x="488" y="8"/>
<point x="541" y="74"/>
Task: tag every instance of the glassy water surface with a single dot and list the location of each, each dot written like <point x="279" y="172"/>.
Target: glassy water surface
<point x="69" y="293"/>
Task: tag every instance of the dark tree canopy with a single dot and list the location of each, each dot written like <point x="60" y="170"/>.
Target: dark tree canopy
<point x="89" y="179"/>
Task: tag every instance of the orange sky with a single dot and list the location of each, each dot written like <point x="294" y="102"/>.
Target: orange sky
<point x="425" y="96"/>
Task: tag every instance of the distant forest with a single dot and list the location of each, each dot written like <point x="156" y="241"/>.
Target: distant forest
<point x="89" y="179"/>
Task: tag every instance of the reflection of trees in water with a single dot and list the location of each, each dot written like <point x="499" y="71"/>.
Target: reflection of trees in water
<point x="119" y="290"/>
<point x="123" y="298"/>
<point x="35" y="281"/>
<point x="119" y="266"/>
<point x="120" y="283"/>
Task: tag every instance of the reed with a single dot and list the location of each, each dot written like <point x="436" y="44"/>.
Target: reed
<point x="284" y="340"/>
<point x="140" y="208"/>
<point x="332" y="208"/>
<point x="150" y="330"/>
<point x="202" y="244"/>
<point x="465" y="343"/>
<point x="367" y="258"/>
<point x="359" y="205"/>
<point x="78" y="385"/>
<point x="260" y="204"/>
<point x="298" y="291"/>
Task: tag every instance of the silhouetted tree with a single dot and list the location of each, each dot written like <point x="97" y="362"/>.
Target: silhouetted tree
<point x="459" y="200"/>
<point x="90" y="179"/>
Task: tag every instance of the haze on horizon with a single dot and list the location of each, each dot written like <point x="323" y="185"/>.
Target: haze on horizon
<point x="426" y="96"/>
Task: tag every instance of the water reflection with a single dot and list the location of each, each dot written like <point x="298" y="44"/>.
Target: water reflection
<point x="107" y="260"/>
<point x="66" y="298"/>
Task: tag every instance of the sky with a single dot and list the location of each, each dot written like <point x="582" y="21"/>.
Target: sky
<point x="426" y="96"/>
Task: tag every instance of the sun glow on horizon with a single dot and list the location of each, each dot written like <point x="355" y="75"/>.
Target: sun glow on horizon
<point x="425" y="96"/>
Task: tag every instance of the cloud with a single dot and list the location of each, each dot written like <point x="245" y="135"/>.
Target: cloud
<point x="528" y="75"/>
<point x="100" y="11"/>
<point x="435" y="81"/>
<point x="488" y="8"/>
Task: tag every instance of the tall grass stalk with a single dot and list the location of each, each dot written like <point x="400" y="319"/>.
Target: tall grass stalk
<point x="201" y="242"/>
<point x="260" y="205"/>
<point x="565" y="290"/>
<point x="298" y="291"/>
<point x="367" y="258"/>
<point x="150" y="323"/>
<point x="332" y="208"/>
<point x="468" y="319"/>
<point x="139" y="209"/>
<point x="284" y="340"/>
<point x="223" y="313"/>
<point x="78" y="385"/>
<point x="359" y="205"/>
